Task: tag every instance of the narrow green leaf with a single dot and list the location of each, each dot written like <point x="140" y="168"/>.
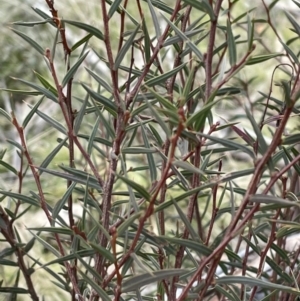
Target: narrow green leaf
<point x="293" y="22"/>
<point x="92" y="136"/>
<point x="123" y="51"/>
<point x="50" y="157"/>
<point x="179" y="176"/>
<point x="81" y="41"/>
<point x="177" y="38"/>
<point x="106" y="124"/>
<point x="54" y="123"/>
<point x="5" y="114"/>
<point x="73" y="69"/>
<point x="186" y="222"/>
<point x="58" y="230"/>
<point x="242" y="15"/>
<point x="103" y="251"/>
<point x="261" y="58"/>
<point x="140" y="189"/>
<point x="97" y="139"/>
<point x="20" y="197"/>
<point x="80" y="115"/>
<point x="40" y="89"/>
<point x="60" y="204"/>
<point x="88" y="28"/>
<point x="154" y="20"/>
<point x="229" y="143"/>
<point x="269" y="199"/>
<point x="45" y="83"/>
<point x="187" y="166"/>
<point x="188" y="86"/>
<point x="272" y="4"/>
<point x="30" y="41"/>
<point x="46" y="244"/>
<point x="8" y="263"/>
<point x="31" y="113"/>
<point x="90" y="269"/>
<point x="161" y="122"/>
<point x="147" y="41"/>
<point x="132" y="203"/>
<point x="163" y="101"/>
<point x="31" y="24"/>
<point x="231" y="44"/>
<point x="135" y="282"/>
<point x="256" y="282"/>
<point x="100" y="80"/>
<point x="250" y="32"/>
<point x="16" y="144"/>
<point x="54" y="46"/>
<point x="13" y="290"/>
<point x="95" y="286"/>
<point x="230" y="294"/>
<point x="107" y="103"/>
<point x="202" y="5"/>
<point x="44" y="15"/>
<point x="290" y="52"/>
<point x="92" y="181"/>
<point x="188" y="42"/>
<point x="138" y="150"/>
<point x="9" y="167"/>
<point x="202" y="114"/>
<point x="290" y="158"/>
<point x="156" y="136"/>
<point x="78" y="254"/>
<point x="286" y="86"/>
<point x="262" y="144"/>
<point x="161" y="79"/>
<point x="31" y="93"/>
<point x="151" y="161"/>
<point x="114" y="7"/>
<point x="124" y="227"/>
<point x="189" y="243"/>
<point x="237" y="174"/>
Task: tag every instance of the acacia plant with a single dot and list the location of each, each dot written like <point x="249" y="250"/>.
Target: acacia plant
<point x="165" y="154"/>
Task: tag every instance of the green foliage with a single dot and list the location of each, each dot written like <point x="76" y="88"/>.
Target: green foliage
<point x="143" y="164"/>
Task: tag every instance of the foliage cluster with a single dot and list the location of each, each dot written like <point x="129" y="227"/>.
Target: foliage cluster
<point x="158" y="171"/>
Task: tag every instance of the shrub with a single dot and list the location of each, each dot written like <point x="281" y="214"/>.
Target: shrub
<point x="148" y="167"/>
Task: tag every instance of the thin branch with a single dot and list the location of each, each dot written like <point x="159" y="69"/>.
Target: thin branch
<point x="210" y="48"/>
